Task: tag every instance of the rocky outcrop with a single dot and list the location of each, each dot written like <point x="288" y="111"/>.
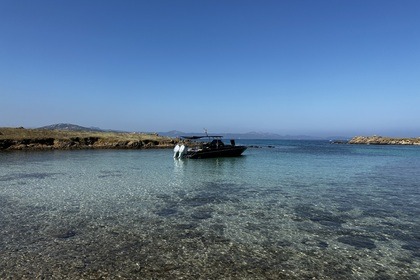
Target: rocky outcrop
<point x="42" y="139"/>
<point x="77" y="143"/>
<point x="379" y="140"/>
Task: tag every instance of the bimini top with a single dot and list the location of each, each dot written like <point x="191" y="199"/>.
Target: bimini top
<point x="199" y="137"/>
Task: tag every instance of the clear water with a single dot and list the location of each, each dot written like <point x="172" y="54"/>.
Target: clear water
<point x="297" y="210"/>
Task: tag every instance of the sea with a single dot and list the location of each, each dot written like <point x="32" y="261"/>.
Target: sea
<point x="283" y="210"/>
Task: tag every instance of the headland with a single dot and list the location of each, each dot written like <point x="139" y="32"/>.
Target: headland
<point x="379" y="140"/>
<point x="43" y="139"/>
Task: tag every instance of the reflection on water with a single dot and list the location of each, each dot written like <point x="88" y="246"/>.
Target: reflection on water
<point x="298" y="211"/>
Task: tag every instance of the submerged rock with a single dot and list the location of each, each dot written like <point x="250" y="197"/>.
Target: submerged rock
<point x="66" y="234"/>
<point x="360" y="242"/>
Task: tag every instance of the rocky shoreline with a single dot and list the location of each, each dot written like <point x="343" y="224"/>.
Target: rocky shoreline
<point x="37" y="139"/>
<point x="379" y="140"/>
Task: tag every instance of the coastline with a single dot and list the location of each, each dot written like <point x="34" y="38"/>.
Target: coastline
<point x="379" y="140"/>
<point x="12" y="139"/>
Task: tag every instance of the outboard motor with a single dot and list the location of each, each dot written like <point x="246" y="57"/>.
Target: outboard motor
<point x="182" y="151"/>
<point x="176" y="151"/>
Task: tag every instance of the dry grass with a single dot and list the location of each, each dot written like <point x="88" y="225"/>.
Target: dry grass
<point x="22" y="133"/>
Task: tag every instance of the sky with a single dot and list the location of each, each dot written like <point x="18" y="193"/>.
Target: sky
<point x="296" y="67"/>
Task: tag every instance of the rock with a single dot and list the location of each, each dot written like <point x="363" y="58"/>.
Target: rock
<point x="359" y="242"/>
<point x="338" y="142"/>
<point x="66" y="234"/>
<point x="5" y="144"/>
<point x="135" y="145"/>
<point x="90" y="140"/>
<point x="379" y="140"/>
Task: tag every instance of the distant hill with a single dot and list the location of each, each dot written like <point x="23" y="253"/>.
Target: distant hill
<point x="75" y="127"/>
<point x="69" y="127"/>
<point x="175" y="133"/>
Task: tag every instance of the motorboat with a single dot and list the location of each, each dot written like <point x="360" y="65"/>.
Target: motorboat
<point x="192" y="147"/>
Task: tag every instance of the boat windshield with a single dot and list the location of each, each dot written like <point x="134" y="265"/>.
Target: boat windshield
<point x="217" y="143"/>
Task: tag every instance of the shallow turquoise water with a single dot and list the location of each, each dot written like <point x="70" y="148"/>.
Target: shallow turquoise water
<point x="300" y="209"/>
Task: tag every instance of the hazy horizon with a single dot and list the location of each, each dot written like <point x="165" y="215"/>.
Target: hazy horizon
<point x="263" y="134"/>
<point x="317" y="68"/>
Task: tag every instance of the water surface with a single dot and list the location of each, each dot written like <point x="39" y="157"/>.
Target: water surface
<point x="297" y="210"/>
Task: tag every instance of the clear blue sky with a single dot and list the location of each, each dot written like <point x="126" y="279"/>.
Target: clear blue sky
<point x="291" y="67"/>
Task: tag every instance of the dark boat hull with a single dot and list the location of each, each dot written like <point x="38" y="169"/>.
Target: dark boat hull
<point x="221" y="152"/>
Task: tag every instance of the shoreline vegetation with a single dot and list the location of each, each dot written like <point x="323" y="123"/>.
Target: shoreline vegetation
<point x="44" y="139"/>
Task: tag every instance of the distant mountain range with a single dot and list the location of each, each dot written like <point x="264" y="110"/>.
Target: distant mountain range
<point x="248" y="135"/>
<point x="176" y="133"/>
<point x="253" y="135"/>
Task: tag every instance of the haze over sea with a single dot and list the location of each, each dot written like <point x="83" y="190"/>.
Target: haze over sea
<point x="300" y="210"/>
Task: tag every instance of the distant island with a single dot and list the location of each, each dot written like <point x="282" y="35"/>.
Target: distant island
<point x="379" y="140"/>
<point x="73" y="137"/>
